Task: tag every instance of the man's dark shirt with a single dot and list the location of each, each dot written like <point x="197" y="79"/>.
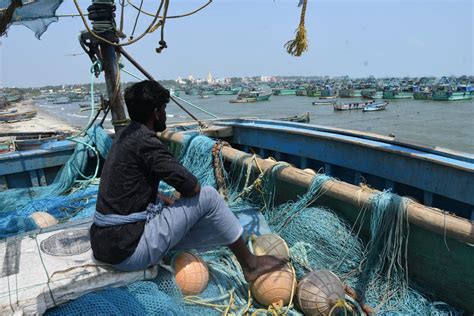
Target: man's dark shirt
<point x="129" y="181"/>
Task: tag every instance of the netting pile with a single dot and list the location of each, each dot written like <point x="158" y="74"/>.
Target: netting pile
<point x="317" y="237"/>
<point x="17" y="205"/>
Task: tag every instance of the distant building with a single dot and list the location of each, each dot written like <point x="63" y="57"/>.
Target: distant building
<point x="210" y="79"/>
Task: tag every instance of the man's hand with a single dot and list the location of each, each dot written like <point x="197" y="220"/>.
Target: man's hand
<point x="167" y="200"/>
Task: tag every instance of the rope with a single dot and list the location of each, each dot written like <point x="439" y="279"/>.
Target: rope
<point x="163" y="21"/>
<point x="172" y="16"/>
<point x="136" y="20"/>
<point x="300" y="44"/>
<point x="112" y="43"/>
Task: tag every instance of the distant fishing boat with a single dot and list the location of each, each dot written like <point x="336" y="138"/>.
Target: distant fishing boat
<point x="204" y="96"/>
<point x="311" y="92"/>
<point x="8" y="112"/>
<point x="31" y="140"/>
<point x="227" y="91"/>
<point x="422" y="95"/>
<point x="352" y="106"/>
<point x="252" y="96"/>
<point x="323" y="102"/>
<point x="174" y="92"/>
<point x="350" y="93"/>
<point x="371" y="94"/>
<point x="62" y="100"/>
<point x="302" y="118"/>
<point x="17" y="116"/>
<point x="244" y="100"/>
<point x="463" y="92"/>
<point x="331" y="97"/>
<point x="375" y="107"/>
<point x="284" y="91"/>
<point x="396" y="94"/>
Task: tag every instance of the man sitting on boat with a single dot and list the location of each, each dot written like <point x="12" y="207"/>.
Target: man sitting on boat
<point x="133" y="227"/>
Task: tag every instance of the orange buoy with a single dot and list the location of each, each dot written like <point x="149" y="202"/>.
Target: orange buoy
<point x="43" y="219"/>
<point x="191" y="273"/>
<point x="274" y="288"/>
<point x="270" y="244"/>
<point x="318" y="292"/>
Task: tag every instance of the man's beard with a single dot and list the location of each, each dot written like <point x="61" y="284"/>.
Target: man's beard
<point x="159" y="126"/>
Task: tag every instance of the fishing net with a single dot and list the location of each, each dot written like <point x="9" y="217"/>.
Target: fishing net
<point x="36" y="15"/>
<point x="17" y="205"/>
<point x="317" y="237"/>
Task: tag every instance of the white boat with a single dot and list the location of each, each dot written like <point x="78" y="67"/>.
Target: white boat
<point x="375" y="107"/>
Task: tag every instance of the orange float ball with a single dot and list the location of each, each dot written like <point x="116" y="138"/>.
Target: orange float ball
<point x="43" y="219"/>
<point x="191" y="273"/>
<point x="318" y="291"/>
<point x="274" y="287"/>
<point x="270" y="244"/>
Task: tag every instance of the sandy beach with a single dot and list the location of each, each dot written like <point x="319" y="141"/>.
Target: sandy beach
<point x="42" y="122"/>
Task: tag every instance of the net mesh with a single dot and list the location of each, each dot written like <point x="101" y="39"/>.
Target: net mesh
<point x="36" y="15"/>
<point x="17" y="204"/>
<point x="317" y="237"/>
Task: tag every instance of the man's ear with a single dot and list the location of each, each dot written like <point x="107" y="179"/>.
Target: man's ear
<point x="156" y="113"/>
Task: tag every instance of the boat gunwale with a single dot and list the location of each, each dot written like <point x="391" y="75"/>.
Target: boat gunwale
<point x="456" y="159"/>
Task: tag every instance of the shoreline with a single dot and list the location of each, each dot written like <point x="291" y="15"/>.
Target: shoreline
<point x="42" y="122"/>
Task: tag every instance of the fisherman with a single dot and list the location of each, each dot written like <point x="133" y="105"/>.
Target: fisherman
<point x="133" y="226"/>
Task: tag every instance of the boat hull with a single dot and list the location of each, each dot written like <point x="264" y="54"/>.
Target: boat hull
<point x="437" y="260"/>
<point x="455" y="96"/>
<point x="284" y="92"/>
<point x="422" y="95"/>
<point x="397" y="95"/>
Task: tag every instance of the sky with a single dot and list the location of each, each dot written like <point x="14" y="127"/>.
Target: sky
<point x="236" y="38"/>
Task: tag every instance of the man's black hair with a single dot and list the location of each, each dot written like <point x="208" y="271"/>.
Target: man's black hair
<point x="143" y="97"/>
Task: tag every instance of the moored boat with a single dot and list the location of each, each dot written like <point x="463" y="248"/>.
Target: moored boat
<point x="62" y="100"/>
<point x="412" y="170"/>
<point x="302" y="118"/>
<point x="422" y="95"/>
<point x="284" y="91"/>
<point x="227" y="91"/>
<point x="324" y="102"/>
<point x="18" y="116"/>
<point x="349" y="93"/>
<point x="445" y="93"/>
<point x="375" y="107"/>
<point x="23" y="141"/>
<point x="352" y="105"/>
<point x="395" y="94"/>
<point x="371" y="94"/>
<point x="252" y="96"/>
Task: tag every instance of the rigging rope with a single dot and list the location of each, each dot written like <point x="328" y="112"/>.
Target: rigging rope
<point x="79" y="10"/>
<point x="299" y="45"/>
<point x="171" y="16"/>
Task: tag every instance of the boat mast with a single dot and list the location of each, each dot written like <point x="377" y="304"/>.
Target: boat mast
<point x="102" y="16"/>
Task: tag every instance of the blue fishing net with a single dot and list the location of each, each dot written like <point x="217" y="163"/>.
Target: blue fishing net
<point x="17" y="204"/>
<point x="36" y="15"/>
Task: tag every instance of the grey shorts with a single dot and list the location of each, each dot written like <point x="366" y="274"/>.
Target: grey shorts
<point x="202" y="221"/>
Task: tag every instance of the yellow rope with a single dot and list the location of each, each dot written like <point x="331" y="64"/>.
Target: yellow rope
<point x="340" y="304"/>
<point x="300" y="44"/>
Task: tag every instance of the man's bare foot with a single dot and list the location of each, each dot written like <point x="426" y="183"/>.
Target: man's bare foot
<point x="261" y="265"/>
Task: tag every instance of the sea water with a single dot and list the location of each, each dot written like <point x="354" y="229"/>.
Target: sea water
<point x="431" y="123"/>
